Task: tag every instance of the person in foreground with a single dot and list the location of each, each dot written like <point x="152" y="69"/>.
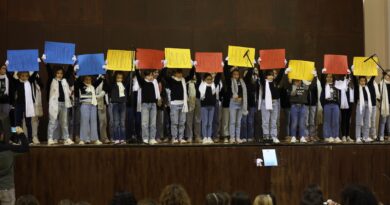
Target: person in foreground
<point x="7" y="157"/>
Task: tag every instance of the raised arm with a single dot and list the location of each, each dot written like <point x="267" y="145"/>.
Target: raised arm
<point x="217" y="79"/>
<point x="226" y="72"/>
<point x="248" y="76"/>
<point x="280" y="75"/>
<point x="50" y="73"/>
<point x="140" y="80"/>
<point x="191" y="75"/>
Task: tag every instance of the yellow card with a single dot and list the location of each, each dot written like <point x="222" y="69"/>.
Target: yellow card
<point x="237" y="56"/>
<point x="178" y="58"/>
<point x="120" y="60"/>
<point x="301" y="70"/>
<point x="368" y="68"/>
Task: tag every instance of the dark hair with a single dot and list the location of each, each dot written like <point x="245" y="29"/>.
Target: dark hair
<point x="312" y="195"/>
<point x="123" y="198"/>
<point x="147" y="202"/>
<point x="269" y="72"/>
<point x="58" y="68"/>
<point x="240" y="198"/>
<point x="147" y="72"/>
<point x="177" y="71"/>
<point x="174" y="194"/>
<point x="206" y="75"/>
<point x="358" y="195"/>
<point x="118" y="73"/>
<point x="27" y="200"/>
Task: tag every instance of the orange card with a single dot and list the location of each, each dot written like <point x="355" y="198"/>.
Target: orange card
<point x="208" y="62"/>
<point x="149" y="58"/>
<point x="272" y="59"/>
<point x="336" y="64"/>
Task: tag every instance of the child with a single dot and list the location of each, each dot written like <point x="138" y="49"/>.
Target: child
<point x="346" y="104"/>
<point x="247" y="121"/>
<point x="385" y="115"/>
<point x="312" y="109"/>
<point x="117" y="95"/>
<point x="363" y="110"/>
<point x="133" y="116"/>
<point x="178" y="102"/>
<point x="59" y="102"/>
<point x="37" y="95"/>
<point x="148" y="97"/>
<point x="102" y="91"/>
<point x="88" y="118"/>
<point x="5" y="88"/>
<point x="330" y="100"/>
<point x="193" y="117"/>
<point x="207" y="90"/>
<point x="375" y="95"/>
<point x="217" y="119"/>
<point x="22" y="99"/>
<point x="238" y="105"/>
<point x="161" y="108"/>
<point x="298" y="98"/>
<point x="225" y="98"/>
<point x="270" y="103"/>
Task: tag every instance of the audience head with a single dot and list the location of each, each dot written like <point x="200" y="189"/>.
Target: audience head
<point x="312" y="196"/>
<point x="263" y="200"/>
<point x="358" y="195"/>
<point x="65" y="202"/>
<point x="240" y="198"/>
<point x="174" y="194"/>
<point x="27" y="200"/>
<point x="147" y="202"/>
<point x="214" y="199"/>
<point x="124" y="198"/>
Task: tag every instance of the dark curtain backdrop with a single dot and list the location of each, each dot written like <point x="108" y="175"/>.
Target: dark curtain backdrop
<point x="307" y="29"/>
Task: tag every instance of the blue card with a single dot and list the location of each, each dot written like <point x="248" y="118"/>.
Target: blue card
<point x="23" y="60"/>
<point x="59" y="53"/>
<point x="270" y="158"/>
<point x="91" y="64"/>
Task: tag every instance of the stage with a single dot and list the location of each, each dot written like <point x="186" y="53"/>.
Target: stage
<point x="93" y="173"/>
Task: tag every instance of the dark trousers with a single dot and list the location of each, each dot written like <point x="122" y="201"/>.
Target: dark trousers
<point x="20" y="110"/>
<point x="133" y="123"/>
<point x="345" y="121"/>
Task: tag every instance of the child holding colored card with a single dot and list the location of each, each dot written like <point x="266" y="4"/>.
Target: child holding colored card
<point x="178" y="102"/>
<point x="148" y="98"/>
<point x="102" y="91"/>
<point x="247" y="121"/>
<point x="385" y="116"/>
<point x="88" y="112"/>
<point x="238" y="105"/>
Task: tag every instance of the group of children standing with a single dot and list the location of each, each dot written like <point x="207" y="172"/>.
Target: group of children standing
<point x="153" y="107"/>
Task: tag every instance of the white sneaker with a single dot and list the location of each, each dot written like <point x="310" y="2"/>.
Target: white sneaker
<point x="358" y="140"/>
<point x="55" y="141"/>
<point x="210" y="141"/>
<point x="183" y="141"/>
<point x="275" y="140"/>
<point x="97" y="142"/>
<point x="175" y="141"/>
<point x="344" y="139"/>
<point x="226" y="141"/>
<point x="146" y="141"/>
<point x="117" y="142"/>
<point x="81" y="142"/>
<point x="35" y="140"/>
<point x="349" y="139"/>
<point x="337" y="140"/>
<point x="293" y="140"/>
<point x="329" y="140"/>
<point x="368" y="140"/>
<point x="50" y="141"/>
<point x="238" y="140"/>
<point x="68" y="142"/>
<point x="303" y="140"/>
<point x="205" y="141"/>
<point x="152" y="142"/>
<point x="382" y="139"/>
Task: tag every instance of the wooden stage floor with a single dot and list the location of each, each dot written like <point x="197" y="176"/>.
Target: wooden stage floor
<point x="93" y="173"/>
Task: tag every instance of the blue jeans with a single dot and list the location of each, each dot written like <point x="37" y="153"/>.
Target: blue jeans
<point x="148" y="117"/>
<point x="88" y="123"/>
<point x="331" y="120"/>
<point x="207" y="114"/>
<point x="247" y="124"/>
<point x="298" y="120"/>
<point x="383" y="122"/>
<point x="133" y="123"/>
<point x="235" y="109"/>
<point x="178" y="120"/>
<point x="119" y="116"/>
<point x="269" y="118"/>
<point x="362" y="122"/>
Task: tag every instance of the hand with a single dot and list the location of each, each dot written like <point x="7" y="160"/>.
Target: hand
<point x="227" y="58"/>
<point x="194" y="63"/>
<point x="259" y="60"/>
<point x="74" y="58"/>
<point x="104" y="67"/>
<point x="315" y="72"/>
<point x="6" y="62"/>
<point x="164" y="62"/>
<point x="222" y="64"/>
<point x="136" y="62"/>
<point x="76" y="67"/>
<point x="323" y="70"/>
<point x="348" y="71"/>
<point x="39" y="60"/>
<point x="285" y="61"/>
<point x="287" y="71"/>
<point x="352" y="67"/>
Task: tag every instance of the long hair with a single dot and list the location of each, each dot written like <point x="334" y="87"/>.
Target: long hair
<point x="358" y="195"/>
<point x="240" y="198"/>
<point x="263" y="200"/>
<point x="174" y="194"/>
<point x="27" y="200"/>
<point x="312" y="196"/>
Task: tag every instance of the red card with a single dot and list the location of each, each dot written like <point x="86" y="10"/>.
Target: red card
<point x="336" y="64"/>
<point x="208" y="62"/>
<point x="272" y="59"/>
<point x="149" y="58"/>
